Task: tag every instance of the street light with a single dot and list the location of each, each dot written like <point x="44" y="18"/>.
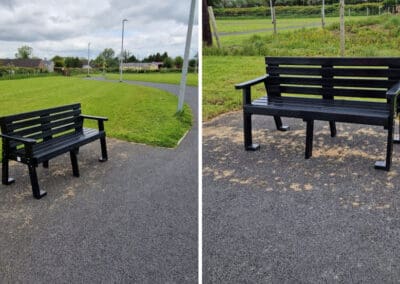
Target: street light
<point x="88" y="58"/>
<point x="122" y="50"/>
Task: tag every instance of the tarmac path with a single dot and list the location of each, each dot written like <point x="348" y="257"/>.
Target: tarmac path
<point x="131" y="219"/>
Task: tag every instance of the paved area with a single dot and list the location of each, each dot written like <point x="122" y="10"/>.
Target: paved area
<point x="273" y="217"/>
<point x="132" y="219"/>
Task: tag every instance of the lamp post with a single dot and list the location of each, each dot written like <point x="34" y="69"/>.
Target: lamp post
<point x="122" y="50"/>
<point x="88" y="58"/>
<point x="186" y="56"/>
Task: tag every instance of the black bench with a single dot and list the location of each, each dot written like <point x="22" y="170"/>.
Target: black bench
<point x="38" y="136"/>
<point x="309" y="88"/>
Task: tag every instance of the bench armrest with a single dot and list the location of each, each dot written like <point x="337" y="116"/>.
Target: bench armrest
<point x="251" y="82"/>
<point x="246" y="86"/>
<point x="27" y="141"/>
<point x="394" y="90"/>
<point x="100" y="120"/>
<point x="94" y="117"/>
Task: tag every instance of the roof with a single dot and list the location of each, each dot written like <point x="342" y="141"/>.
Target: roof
<point x="31" y="63"/>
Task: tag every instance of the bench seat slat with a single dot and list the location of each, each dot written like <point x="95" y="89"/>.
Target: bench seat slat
<point x="340" y="61"/>
<point x="339" y="110"/>
<point x="43" y="128"/>
<point x="27" y="115"/>
<point x="360" y="93"/>
<point x="54" y="147"/>
<point x="15" y="125"/>
<point x="348" y="82"/>
<point x="344" y="72"/>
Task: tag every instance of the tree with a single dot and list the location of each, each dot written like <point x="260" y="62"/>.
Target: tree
<point x="178" y="62"/>
<point x="168" y="62"/>
<point x="24" y="52"/>
<point x="58" y="61"/>
<point x="132" y="58"/>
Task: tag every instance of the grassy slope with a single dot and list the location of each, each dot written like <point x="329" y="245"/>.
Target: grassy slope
<point x="373" y="37"/>
<point x="168" y="78"/>
<point x="135" y="113"/>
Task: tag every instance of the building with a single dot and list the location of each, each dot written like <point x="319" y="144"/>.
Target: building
<point x="39" y="64"/>
<point x="141" y="66"/>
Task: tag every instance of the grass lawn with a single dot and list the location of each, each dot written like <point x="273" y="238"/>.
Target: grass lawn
<point x="136" y="113"/>
<point x="168" y="78"/>
<point x="375" y="36"/>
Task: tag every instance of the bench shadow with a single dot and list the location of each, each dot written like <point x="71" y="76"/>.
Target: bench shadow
<point x="341" y="167"/>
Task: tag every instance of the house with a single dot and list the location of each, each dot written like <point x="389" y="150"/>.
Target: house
<point x="139" y="66"/>
<point x="39" y="64"/>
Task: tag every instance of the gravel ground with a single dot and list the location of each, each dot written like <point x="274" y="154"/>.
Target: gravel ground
<point x="273" y="217"/>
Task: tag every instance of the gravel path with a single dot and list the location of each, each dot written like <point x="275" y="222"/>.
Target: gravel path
<point x="131" y="219"/>
<point x="273" y="217"/>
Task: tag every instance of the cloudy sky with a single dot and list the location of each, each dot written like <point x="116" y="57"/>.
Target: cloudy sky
<point x="66" y="27"/>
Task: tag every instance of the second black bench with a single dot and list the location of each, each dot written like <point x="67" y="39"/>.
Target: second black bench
<point x="309" y="88"/>
<point x="38" y="136"/>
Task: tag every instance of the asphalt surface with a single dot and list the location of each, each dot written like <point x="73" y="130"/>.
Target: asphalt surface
<point x="273" y="217"/>
<point x="132" y="219"/>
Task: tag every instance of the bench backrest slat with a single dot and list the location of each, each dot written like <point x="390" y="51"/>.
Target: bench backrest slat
<point x="332" y="76"/>
<point x="42" y="125"/>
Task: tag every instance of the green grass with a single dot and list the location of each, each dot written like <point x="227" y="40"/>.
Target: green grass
<point x="168" y="78"/>
<point x="220" y="74"/>
<point x="244" y="25"/>
<point x="136" y="113"/>
<point x="373" y="36"/>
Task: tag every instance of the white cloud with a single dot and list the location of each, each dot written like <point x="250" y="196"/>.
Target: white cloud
<point x="64" y="28"/>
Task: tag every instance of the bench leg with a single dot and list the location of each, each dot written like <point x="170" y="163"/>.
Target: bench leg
<point x="74" y="162"/>
<point x="385" y="165"/>
<point x="37" y="193"/>
<point x="104" y="156"/>
<point x="5" y="179"/>
<point x="332" y="126"/>
<point x="248" y="139"/>
<point x="396" y="138"/>
<point x="46" y="164"/>
<point x="278" y="123"/>
<point x="309" y="138"/>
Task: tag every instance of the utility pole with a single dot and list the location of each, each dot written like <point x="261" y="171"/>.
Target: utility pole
<point x="88" y="59"/>
<point x="122" y="50"/>
<point x="185" y="66"/>
<point x="273" y="18"/>
<point x="214" y="25"/>
<point x="342" y="36"/>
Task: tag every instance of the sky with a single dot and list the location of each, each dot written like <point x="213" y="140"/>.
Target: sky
<point x="66" y="27"/>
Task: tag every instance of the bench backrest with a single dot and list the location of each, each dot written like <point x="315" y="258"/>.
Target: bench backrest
<point x="42" y="125"/>
<point x="332" y="76"/>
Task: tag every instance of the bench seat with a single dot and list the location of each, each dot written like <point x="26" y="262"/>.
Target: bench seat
<point x="371" y="113"/>
<point x="52" y="148"/>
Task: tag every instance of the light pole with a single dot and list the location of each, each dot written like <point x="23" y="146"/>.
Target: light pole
<point x="88" y="58"/>
<point x="186" y="56"/>
<point x="122" y="50"/>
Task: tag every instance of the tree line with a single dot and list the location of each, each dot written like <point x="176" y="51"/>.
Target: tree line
<point x="108" y="59"/>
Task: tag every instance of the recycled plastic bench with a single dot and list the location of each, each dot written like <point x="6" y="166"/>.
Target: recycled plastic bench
<point x="38" y="136"/>
<point x="330" y="89"/>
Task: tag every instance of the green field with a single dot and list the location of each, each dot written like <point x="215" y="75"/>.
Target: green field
<point x="372" y="36"/>
<point x="136" y="113"/>
<point x="283" y="26"/>
<point x="168" y="78"/>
